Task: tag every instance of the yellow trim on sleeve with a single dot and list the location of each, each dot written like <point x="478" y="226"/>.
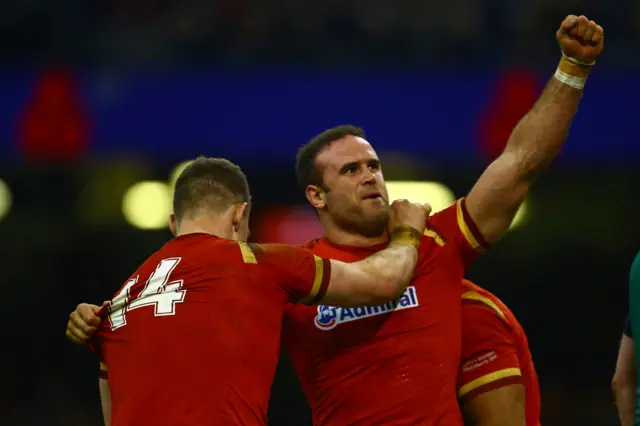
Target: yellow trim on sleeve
<point x="103" y="366"/>
<point x="317" y="282"/>
<point x="491" y="377"/>
<point x="247" y="254"/>
<point x="433" y="234"/>
<point x="464" y="228"/>
<point x="472" y="295"/>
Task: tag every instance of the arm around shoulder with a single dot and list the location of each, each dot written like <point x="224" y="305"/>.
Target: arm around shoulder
<point x="377" y="279"/>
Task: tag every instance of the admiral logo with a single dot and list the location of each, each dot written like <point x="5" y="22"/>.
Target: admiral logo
<point x="330" y="316"/>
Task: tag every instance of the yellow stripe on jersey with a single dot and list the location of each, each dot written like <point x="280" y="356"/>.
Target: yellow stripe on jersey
<point x="433" y="234"/>
<point x="491" y="377"/>
<point x="464" y="228"/>
<point x="103" y="366"/>
<point x="247" y="254"/>
<point x="472" y="295"/>
<point x="317" y="282"/>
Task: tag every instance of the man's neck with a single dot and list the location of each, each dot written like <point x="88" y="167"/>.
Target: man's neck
<point x="345" y="238"/>
<point x="204" y="226"/>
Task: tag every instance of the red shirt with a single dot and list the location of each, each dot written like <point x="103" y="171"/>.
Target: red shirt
<point x="196" y="341"/>
<point x="495" y="350"/>
<point x="363" y="366"/>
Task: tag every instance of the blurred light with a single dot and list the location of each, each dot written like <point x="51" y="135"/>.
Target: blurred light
<point x="288" y="225"/>
<point x="175" y="173"/>
<point x="521" y="216"/>
<point x="147" y="205"/>
<point x="437" y="194"/>
<point x="5" y="199"/>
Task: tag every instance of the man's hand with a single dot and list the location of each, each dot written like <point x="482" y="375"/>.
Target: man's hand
<point x="580" y="39"/>
<point x="83" y="323"/>
<point x="405" y="214"/>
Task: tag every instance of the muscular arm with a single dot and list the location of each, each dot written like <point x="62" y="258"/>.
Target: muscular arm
<point x="534" y="143"/>
<point x="374" y="280"/>
<point x="105" y="400"/>
<point x="624" y="382"/>
<point x="504" y="406"/>
<point x="537" y="139"/>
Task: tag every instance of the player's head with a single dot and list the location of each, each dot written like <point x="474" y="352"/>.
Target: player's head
<point x="341" y="175"/>
<point x="214" y="190"/>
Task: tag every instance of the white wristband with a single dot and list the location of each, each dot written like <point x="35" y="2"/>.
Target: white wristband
<point x="570" y="80"/>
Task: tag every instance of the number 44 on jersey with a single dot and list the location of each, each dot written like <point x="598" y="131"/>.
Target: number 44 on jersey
<point x="157" y="292"/>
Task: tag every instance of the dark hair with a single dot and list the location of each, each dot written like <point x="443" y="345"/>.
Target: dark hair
<point x="306" y="170"/>
<point x="209" y="183"/>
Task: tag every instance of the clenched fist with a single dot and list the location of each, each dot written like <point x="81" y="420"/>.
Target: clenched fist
<point x="405" y="214"/>
<point x="580" y="39"/>
<point x="84" y="322"/>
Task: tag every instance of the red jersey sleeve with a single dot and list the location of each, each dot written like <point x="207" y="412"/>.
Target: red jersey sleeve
<point x="304" y="275"/>
<point x="454" y="224"/>
<point x="489" y="350"/>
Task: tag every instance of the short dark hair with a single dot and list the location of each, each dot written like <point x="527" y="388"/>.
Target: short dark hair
<point x="306" y="170"/>
<point x="214" y="184"/>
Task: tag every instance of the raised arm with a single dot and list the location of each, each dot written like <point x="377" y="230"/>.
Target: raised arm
<point x="385" y="275"/>
<point x="538" y="137"/>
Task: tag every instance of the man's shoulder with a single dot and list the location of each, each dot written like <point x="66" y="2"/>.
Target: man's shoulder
<point x="489" y="304"/>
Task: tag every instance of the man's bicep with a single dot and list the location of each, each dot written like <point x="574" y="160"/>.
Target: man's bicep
<point x="494" y="200"/>
<point x="504" y="406"/>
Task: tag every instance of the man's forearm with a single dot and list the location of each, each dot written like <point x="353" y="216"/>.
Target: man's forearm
<point x="393" y="267"/>
<point x="625" y="397"/>
<point x="539" y="136"/>
<point x="377" y="279"/>
<point x="105" y="400"/>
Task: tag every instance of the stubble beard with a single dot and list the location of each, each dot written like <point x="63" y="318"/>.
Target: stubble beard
<point x="370" y="225"/>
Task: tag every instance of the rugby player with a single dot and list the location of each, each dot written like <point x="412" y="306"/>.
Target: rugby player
<point x="363" y="366"/>
<point x="192" y="337"/>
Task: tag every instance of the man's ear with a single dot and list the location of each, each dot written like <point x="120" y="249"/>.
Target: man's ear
<point x="239" y="214"/>
<point x="316" y="196"/>
<point x="173" y="225"/>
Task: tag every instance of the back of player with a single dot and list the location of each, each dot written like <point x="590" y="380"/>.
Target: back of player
<point x="193" y="336"/>
<point x="495" y="351"/>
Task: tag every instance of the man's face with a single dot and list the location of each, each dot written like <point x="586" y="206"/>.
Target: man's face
<point x="356" y="197"/>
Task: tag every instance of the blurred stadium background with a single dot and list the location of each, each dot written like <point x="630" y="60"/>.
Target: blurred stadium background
<point x="101" y="102"/>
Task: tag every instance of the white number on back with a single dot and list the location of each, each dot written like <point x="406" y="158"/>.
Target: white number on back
<point x="157" y="292"/>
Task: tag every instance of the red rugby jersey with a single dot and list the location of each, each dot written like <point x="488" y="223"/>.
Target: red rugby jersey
<point x="495" y="350"/>
<point x="364" y="366"/>
<point x="193" y="337"/>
